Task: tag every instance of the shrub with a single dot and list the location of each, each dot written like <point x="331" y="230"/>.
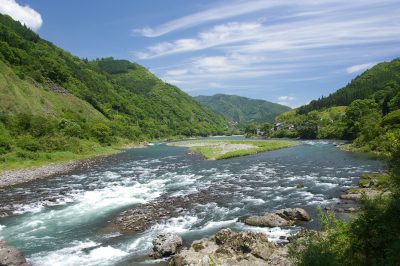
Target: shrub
<point x="70" y="128"/>
<point x="27" y="155"/>
<point x="101" y="132"/>
<point x="27" y="142"/>
<point x="5" y="144"/>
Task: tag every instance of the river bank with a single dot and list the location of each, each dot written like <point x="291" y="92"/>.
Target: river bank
<point x="16" y="176"/>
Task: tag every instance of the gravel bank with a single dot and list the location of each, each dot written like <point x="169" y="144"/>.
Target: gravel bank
<point x="19" y="176"/>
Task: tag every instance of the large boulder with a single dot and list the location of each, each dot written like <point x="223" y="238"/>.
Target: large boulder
<point x="165" y="245"/>
<point x="11" y="256"/>
<point x="294" y="214"/>
<point x="225" y="248"/>
<point x="280" y="218"/>
<point x="267" y="220"/>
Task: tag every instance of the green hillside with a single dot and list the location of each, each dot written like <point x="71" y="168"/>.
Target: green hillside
<point x="381" y="82"/>
<point x="369" y="117"/>
<point x="242" y="110"/>
<point x="49" y="95"/>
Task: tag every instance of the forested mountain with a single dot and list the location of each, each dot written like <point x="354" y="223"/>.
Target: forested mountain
<point x="242" y="110"/>
<point x="381" y="82"/>
<point x="369" y="117"/>
<point x="47" y="93"/>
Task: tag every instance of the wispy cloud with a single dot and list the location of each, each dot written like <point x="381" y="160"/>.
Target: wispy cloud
<point x="24" y="14"/>
<point x="345" y="28"/>
<point x="225" y="11"/>
<point x="219" y="35"/>
<point x="286" y="44"/>
<point x="286" y="98"/>
<point x="359" y="68"/>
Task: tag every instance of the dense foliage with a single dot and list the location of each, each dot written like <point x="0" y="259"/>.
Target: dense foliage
<point x="100" y="101"/>
<point x="241" y="110"/>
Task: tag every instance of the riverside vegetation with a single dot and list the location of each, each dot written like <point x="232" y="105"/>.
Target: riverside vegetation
<point x="55" y="106"/>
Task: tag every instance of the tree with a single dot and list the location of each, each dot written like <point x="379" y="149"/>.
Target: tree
<point x="362" y="117"/>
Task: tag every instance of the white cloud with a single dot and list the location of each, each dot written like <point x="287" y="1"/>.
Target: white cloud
<point x="219" y="35"/>
<point x="24" y="14"/>
<point x="289" y="44"/>
<point x="353" y="24"/>
<point x="360" y="67"/>
<point x="216" y="13"/>
<point x="286" y="98"/>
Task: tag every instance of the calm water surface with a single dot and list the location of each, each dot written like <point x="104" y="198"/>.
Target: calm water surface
<point x="59" y="221"/>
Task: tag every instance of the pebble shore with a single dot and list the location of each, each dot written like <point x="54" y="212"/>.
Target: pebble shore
<point x="15" y="177"/>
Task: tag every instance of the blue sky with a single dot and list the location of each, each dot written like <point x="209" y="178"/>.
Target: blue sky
<point x="279" y="50"/>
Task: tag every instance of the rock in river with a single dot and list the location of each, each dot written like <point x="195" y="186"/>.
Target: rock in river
<point x="231" y="248"/>
<point x="11" y="256"/>
<point x="284" y="217"/>
<point x="165" y="245"/>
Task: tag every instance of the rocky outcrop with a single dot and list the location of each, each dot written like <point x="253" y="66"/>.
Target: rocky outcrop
<point x="231" y="248"/>
<point x="356" y="194"/>
<point x="294" y="214"/>
<point x="281" y="218"/>
<point x="142" y="216"/>
<point x="165" y="245"/>
<point x="11" y="256"/>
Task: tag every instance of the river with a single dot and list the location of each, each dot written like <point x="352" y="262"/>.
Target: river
<point x="59" y="221"/>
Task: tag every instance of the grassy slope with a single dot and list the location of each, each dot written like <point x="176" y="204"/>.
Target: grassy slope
<point x="213" y="151"/>
<point x="18" y="96"/>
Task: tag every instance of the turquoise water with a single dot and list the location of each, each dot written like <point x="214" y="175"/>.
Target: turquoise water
<point x="59" y="221"/>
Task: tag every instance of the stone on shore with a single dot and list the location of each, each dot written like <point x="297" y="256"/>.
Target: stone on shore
<point x="11" y="256"/>
<point x="165" y="245"/>
<point x="284" y="217"/>
<point x="231" y="248"/>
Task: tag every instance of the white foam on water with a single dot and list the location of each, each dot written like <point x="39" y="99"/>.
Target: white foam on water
<point x="253" y="200"/>
<point x="216" y="225"/>
<point x="274" y="234"/>
<point x="326" y="184"/>
<point x="89" y="206"/>
<point x="76" y="255"/>
<point x="32" y="208"/>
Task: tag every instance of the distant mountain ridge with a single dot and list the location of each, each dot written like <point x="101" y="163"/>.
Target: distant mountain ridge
<point x="243" y="110"/>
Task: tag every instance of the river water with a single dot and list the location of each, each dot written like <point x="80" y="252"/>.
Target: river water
<point x="59" y="221"/>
